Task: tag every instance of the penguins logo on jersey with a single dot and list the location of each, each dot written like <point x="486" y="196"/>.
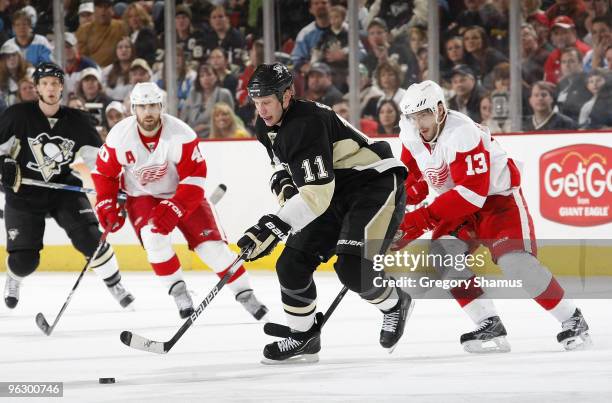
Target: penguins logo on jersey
<point x="50" y="153"/>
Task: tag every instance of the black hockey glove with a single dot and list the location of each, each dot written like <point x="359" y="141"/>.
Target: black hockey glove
<point x="282" y="186"/>
<point x="9" y="170"/>
<point x="263" y="236"/>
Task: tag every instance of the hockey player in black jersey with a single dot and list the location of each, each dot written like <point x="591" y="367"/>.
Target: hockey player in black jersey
<point x="340" y="193"/>
<point x="39" y="140"/>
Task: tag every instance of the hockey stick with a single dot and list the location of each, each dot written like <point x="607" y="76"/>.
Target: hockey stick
<point x="278" y="330"/>
<point x="162" y="347"/>
<point x="61" y="186"/>
<point x="42" y="323"/>
<point x="215" y="196"/>
<point x="40" y="318"/>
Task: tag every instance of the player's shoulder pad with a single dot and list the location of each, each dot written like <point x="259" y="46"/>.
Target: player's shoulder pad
<point x="121" y="132"/>
<point x="461" y="133"/>
<point x="180" y="131"/>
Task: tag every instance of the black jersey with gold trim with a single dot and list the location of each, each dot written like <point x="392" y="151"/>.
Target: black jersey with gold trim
<point x="45" y="146"/>
<point x="323" y="153"/>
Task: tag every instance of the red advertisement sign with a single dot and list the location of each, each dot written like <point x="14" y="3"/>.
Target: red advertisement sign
<point x="576" y="185"/>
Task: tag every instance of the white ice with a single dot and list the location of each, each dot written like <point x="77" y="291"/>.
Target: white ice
<point x="218" y="358"/>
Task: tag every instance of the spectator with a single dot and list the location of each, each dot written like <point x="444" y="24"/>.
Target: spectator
<point x="422" y="55"/>
<point x="225" y="123"/>
<point x="571" y="92"/>
<point x="601" y="39"/>
<point x="388" y="79"/>
<point x="380" y="50"/>
<point x="563" y="34"/>
<point x="188" y="37"/>
<point x="594" y="9"/>
<point x="206" y="92"/>
<point x="467" y="92"/>
<point x="90" y="90"/>
<point x="367" y="125"/>
<point x="218" y="60"/>
<point x="544" y="115"/>
<point x="140" y="72"/>
<point x="75" y="63"/>
<point x="114" y="113"/>
<point x="453" y="55"/>
<point x="573" y="9"/>
<point x="86" y="13"/>
<point x="369" y="94"/>
<point x="397" y="13"/>
<point x="71" y="14"/>
<point x="223" y="35"/>
<point x="116" y="76"/>
<point x="608" y="57"/>
<point x="34" y="48"/>
<point x="533" y="56"/>
<point x="75" y="102"/>
<point x="595" y="113"/>
<point x="488" y="120"/>
<point x="5" y="20"/>
<point x="98" y="39"/>
<point x="185" y="76"/>
<point x="388" y="117"/>
<point x="310" y="35"/>
<point x="332" y="48"/>
<point x="256" y="57"/>
<point x="471" y="15"/>
<point x="26" y="90"/>
<point x="139" y="24"/>
<point x="13" y="68"/>
<point x="542" y="26"/>
<point x="319" y="85"/>
<point x="416" y="37"/>
<point x="478" y="55"/>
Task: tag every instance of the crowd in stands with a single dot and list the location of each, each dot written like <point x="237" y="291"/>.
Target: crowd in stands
<point x="110" y="45"/>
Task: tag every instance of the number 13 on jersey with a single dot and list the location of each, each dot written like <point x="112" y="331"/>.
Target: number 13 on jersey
<point x="476" y="164"/>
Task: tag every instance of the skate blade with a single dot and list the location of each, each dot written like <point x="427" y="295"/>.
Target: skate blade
<point x="493" y="346"/>
<point x="581" y="342"/>
<point x="300" y="359"/>
<point x="410" y="308"/>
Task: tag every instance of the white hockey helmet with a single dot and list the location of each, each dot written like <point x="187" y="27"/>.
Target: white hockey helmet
<point x="145" y="94"/>
<point x="422" y="96"/>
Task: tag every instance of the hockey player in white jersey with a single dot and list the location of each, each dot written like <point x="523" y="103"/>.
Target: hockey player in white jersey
<point x="154" y="158"/>
<point x="479" y="200"/>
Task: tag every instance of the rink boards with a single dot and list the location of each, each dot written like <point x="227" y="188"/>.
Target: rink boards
<point x="566" y="180"/>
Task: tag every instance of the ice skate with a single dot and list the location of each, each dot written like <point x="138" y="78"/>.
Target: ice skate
<point x="252" y="305"/>
<point x="298" y="347"/>
<point x="575" y="333"/>
<point x="11" y="291"/>
<point x="182" y="298"/>
<point x="395" y="320"/>
<point x="489" y="337"/>
<point x="124" y="297"/>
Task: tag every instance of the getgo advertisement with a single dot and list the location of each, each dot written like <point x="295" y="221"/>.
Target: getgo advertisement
<point x="576" y="185"/>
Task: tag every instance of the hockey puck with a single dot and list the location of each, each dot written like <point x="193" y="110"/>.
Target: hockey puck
<point x="107" y="380"/>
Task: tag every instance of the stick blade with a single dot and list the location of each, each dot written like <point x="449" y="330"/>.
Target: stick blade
<point x="141" y="343"/>
<point x="42" y="324"/>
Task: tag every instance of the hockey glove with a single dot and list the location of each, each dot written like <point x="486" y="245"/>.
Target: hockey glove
<point x="109" y="215"/>
<point x="263" y="236"/>
<point x="282" y="186"/>
<point x="10" y="172"/>
<point x="416" y="190"/>
<point x="415" y="224"/>
<point x="166" y="216"/>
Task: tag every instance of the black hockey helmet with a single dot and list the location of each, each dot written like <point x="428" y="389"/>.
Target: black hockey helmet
<point x="270" y="79"/>
<point x="47" y="69"/>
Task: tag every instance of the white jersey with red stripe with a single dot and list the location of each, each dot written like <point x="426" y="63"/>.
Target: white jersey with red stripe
<point x="464" y="166"/>
<point x="174" y="161"/>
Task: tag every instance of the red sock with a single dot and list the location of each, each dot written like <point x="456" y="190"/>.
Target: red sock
<point x="551" y="296"/>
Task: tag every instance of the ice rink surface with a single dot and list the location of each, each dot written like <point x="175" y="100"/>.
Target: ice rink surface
<point x="218" y="358"/>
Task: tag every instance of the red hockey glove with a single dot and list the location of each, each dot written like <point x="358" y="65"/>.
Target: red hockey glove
<point x="415" y="224"/>
<point x="109" y="215"/>
<point x="165" y="216"/>
<point x="416" y="190"/>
